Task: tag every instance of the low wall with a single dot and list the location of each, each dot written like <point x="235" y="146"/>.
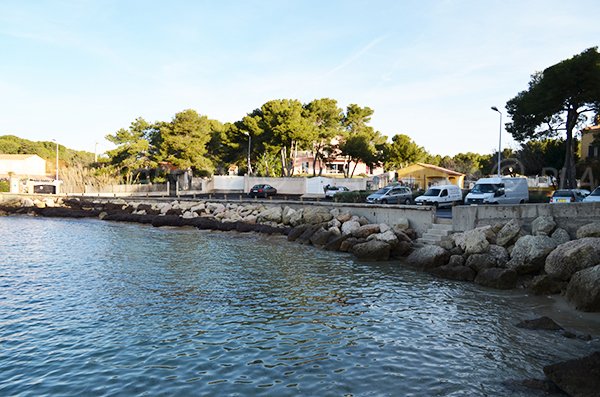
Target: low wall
<point x="296" y="186"/>
<point x="569" y="216"/>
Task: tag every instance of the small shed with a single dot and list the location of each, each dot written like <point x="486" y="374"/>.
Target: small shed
<point x="424" y="175"/>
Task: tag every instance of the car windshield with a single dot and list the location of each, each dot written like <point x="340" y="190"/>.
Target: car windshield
<point x="485" y="188"/>
<point x="432" y="192"/>
<point x="383" y="190"/>
<point x="258" y="186"/>
<point x="562" y="193"/>
<point x="596" y="192"/>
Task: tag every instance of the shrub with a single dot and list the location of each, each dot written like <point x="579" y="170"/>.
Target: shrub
<point x="359" y="196"/>
<point x="4" y="186"/>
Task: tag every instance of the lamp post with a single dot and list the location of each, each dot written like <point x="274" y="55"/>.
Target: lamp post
<point x="494" y="108"/>
<point x="56" y="158"/>
<point x="249" y="146"/>
<point x="96" y="152"/>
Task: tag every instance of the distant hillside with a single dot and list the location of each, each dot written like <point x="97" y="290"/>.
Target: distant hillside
<point x="10" y="144"/>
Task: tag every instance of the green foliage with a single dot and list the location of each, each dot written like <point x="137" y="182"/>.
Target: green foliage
<point x="536" y="155"/>
<point x="558" y="99"/>
<point x="403" y="152"/>
<point x="10" y="144"/>
<point x="326" y="118"/>
<point x="132" y="152"/>
<point x="4" y="186"/>
<point x="352" y="197"/>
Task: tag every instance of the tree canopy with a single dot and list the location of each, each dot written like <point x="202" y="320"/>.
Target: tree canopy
<point x="559" y="99"/>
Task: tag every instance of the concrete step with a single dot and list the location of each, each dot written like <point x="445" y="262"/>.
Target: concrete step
<point x="427" y="241"/>
<point x="438" y="232"/>
<point x="432" y="236"/>
<point x="441" y="226"/>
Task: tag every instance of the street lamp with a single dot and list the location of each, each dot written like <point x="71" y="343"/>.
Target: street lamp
<point x="96" y="152"/>
<point x="249" y="145"/>
<point x="494" y="108"/>
<point x="54" y="140"/>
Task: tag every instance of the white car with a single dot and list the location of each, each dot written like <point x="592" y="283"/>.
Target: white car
<point x="441" y="196"/>
<point x="331" y="191"/>
<point x="593" y="196"/>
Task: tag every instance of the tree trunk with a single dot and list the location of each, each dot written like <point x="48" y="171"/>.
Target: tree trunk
<point x="354" y="169"/>
<point x="568" y="180"/>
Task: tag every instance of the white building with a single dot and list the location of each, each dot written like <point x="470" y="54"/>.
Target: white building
<point x="22" y="165"/>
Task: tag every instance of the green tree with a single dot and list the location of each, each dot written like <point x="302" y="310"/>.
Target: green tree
<point x="402" y="152"/>
<point x="132" y="151"/>
<point x="183" y="141"/>
<point x="326" y="118"/>
<point x="558" y="99"/>
<point x="538" y="155"/>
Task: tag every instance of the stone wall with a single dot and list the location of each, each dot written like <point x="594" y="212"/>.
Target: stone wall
<point x="569" y="216"/>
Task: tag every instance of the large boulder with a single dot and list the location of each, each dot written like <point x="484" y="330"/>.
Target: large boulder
<point x="578" y="377"/>
<point x="401" y="225"/>
<point x="374" y="250"/>
<point x="296" y="232"/>
<point x="403" y="248"/>
<point x="320" y="237"/>
<point x="542" y="323"/>
<point x="589" y="230"/>
<point x="584" y="289"/>
<point x="508" y="233"/>
<point x="561" y="236"/>
<point x="286" y="215"/>
<point x="530" y="252"/>
<point x="479" y="262"/>
<point x="545" y="285"/>
<point x="334" y="244"/>
<point x="387" y="237"/>
<point x="272" y="214"/>
<point x="349" y="242"/>
<point x="349" y="227"/>
<point x="500" y="255"/>
<point x="497" y="278"/>
<point x="569" y="258"/>
<point x="543" y="226"/>
<point x="366" y="230"/>
<point x="314" y="215"/>
<point x="428" y="257"/>
<point x="296" y="217"/>
<point x="476" y="242"/>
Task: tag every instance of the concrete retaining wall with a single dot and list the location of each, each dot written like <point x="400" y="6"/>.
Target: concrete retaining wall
<point x="569" y="216"/>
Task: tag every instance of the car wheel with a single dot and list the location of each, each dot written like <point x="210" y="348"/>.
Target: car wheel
<point x="522" y="202"/>
<point x="407" y="202"/>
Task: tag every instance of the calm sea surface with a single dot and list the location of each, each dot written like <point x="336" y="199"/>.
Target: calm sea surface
<point x="98" y="308"/>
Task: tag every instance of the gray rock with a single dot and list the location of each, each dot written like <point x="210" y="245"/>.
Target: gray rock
<point x="314" y="215"/>
<point x="473" y="241"/>
<point x="569" y="258"/>
<point x="428" y="257"/>
<point x="304" y="238"/>
<point x="373" y="250"/>
<point x="579" y="377"/>
<point x="401" y="225"/>
<point x="334" y="223"/>
<point x="544" y="285"/>
<point x="344" y="217"/>
<point x="456" y="260"/>
<point x="497" y="278"/>
<point x="584" y="289"/>
<point x="366" y="230"/>
<point x="387" y="237"/>
<point x="286" y="215"/>
<point x="529" y="253"/>
<point x="403" y="248"/>
<point x="500" y="255"/>
<point x="479" y="262"/>
<point x="589" y="230"/>
<point x="402" y="236"/>
<point x="272" y="214"/>
<point x="335" y="231"/>
<point x="561" y="236"/>
<point x="334" y="244"/>
<point x="349" y="242"/>
<point x="320" y="237"/>
<point x="508" y="233"/>
<point x="543" y="226"/>
<point x="349" y="227"/>
<point x="447" y="243"/>
<point x="458" y="273"/>
<point x="363" y="221"/>
<point x="296" y="217"/>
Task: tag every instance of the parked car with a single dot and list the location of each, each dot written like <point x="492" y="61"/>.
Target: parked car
<point x="441" y="196"/>
<point x="593" y="196"/>
<point x="331" y="191"/>
<point x="262" y="190"/>
<point x="567" y="196"/>
<point x="504" y="190"/>
<point x="391" y="195"/>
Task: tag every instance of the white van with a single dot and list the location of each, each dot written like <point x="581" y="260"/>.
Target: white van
<point x="441" y="196"/>
<point x="504" y="190"/>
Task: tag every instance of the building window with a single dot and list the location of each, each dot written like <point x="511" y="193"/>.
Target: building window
<point x="593" y="151"/>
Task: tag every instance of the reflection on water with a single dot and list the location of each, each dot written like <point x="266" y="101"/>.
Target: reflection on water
<point x="98" y="308"/>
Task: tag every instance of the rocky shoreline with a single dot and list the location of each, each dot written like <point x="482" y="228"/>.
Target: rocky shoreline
<point x="546" y="261"/>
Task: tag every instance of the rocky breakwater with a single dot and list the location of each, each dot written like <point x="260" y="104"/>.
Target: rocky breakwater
<point x="504" y="256"/>
<point x="320" y="226"/>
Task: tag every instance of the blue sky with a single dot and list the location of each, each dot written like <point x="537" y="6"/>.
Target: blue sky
<point x="76" y="71"/>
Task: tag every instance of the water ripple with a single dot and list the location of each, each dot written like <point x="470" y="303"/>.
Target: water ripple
<point x="98" y="308"/>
